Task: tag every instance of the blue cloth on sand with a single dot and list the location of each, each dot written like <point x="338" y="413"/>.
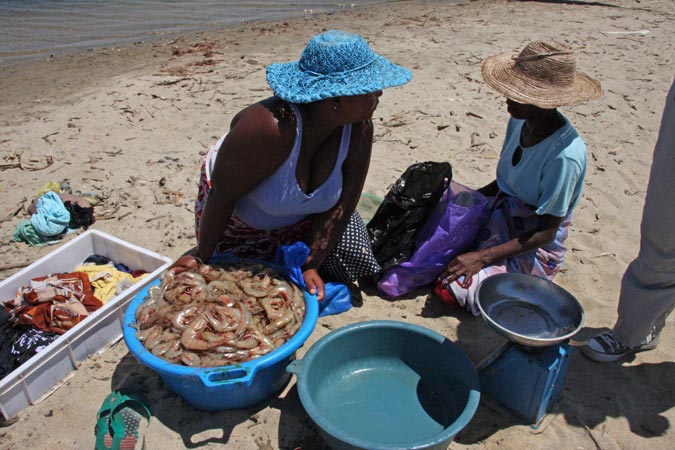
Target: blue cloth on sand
<point x="291" y="257"/>
<point x="51" y="217"/>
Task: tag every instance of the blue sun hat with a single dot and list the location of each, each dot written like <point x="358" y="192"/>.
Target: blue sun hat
<point x="334" y="64"/>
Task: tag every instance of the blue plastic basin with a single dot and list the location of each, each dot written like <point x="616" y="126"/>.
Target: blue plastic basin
<point x="226" y="387"/>
<point x="387" y="385"/>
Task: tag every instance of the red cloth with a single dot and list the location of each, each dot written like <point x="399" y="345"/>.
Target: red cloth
<point x="445" y="295"/>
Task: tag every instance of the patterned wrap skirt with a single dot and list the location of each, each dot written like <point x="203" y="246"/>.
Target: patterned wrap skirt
<point x="508" y="218"/>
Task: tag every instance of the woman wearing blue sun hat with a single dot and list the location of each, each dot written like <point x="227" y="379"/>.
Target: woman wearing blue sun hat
<point x="292" y="167"/>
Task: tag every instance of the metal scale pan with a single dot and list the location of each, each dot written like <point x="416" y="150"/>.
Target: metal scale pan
<point x="528" y="310"/>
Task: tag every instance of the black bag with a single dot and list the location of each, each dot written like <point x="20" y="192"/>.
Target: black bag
<point x="404" y="210"/>
<point x="80" y="216"/>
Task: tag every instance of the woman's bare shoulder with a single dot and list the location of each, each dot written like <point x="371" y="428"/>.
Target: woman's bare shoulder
<point x="257" y="129"/>
<point x="266" y="115"/>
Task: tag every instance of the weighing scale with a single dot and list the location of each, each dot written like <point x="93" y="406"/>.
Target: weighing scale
<point x="527" y="373"/>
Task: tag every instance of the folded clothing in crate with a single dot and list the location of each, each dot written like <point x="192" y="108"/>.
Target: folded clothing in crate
<point x="50" y="305"/>
<point x="18" y="346"/>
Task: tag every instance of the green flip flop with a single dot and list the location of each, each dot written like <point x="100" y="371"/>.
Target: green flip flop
<point x="121" y="422"/>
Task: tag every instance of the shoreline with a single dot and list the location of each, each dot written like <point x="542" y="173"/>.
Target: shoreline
<point x="77" y="70"/>
<point x="130" y="125"/>
<point x="162" y="24"/>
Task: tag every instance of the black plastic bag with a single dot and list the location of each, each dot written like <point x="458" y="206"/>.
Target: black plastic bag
<point x="404" y="210"/>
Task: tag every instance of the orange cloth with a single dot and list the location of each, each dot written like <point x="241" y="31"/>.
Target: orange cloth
<point x="56" y="303"/>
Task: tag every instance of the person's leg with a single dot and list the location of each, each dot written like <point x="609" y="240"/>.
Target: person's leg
<point x="647" y="297"/>
<point x="648" y="285"/>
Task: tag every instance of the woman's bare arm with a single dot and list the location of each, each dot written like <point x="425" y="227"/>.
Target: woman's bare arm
<point x="328" y="227"/>
<point x="252" y="150"/>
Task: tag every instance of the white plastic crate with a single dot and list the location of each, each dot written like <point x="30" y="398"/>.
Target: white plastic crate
<point x="47" y="370"/>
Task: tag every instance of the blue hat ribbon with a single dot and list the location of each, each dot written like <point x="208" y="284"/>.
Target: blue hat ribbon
<point x="335" y="74"/>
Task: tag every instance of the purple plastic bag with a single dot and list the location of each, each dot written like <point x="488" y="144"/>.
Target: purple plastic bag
<point x="449" y="231"/>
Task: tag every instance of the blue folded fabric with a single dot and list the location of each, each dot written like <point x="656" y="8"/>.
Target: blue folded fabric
<point x="51" y="217"/>
<point x="337" y="297"/>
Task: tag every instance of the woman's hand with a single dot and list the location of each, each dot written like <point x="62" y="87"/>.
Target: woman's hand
<point x="185" y="263"/>
<point x="314" y="283"/>
<point x="467" y="265"/>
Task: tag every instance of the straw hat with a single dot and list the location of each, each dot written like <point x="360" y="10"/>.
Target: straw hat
<point x="334" y="64"/>
<point x="543" y="74"/>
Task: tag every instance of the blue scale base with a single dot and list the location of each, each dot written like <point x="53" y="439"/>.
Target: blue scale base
<point x="527" y="381"/>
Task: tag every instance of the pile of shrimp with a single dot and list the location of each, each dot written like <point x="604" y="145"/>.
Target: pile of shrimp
<point x="219" y="315"/>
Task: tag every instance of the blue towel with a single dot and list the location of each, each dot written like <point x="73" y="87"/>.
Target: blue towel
<point x="51" y="217"/>
<point x="336" y="299"/>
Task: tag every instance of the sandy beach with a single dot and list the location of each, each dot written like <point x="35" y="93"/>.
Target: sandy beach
<point x="130" y="125"/>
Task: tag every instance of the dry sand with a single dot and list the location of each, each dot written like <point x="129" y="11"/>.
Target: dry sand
<point x="131" y="123"/>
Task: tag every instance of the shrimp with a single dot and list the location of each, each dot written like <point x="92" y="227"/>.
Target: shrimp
<point x="209" y="273"/>
<point x="190" y="359"/>
<point x="256" y="342"/>
<point x="252" y="304"/>
<point x="153" y="339"/>
<point x="174" y="351"/>
<point x="153" y="332"/>
<point x="286" y="332"/>
<point x="223" y="318"/>
<point x="275" y="307"/>
<point x="297" y="303"/>
<point x="286" y="318"/>
<point x="227" y="276"/>
<point x="194" y="338"/>
<point x="184" y="286"/>
<point x="161" y="348"/>
<point x="145" y="313"/>
<point x="190" y="278"/>
<point x="256" y="285"/>
<point x="181" y="319"/>
<point x="154" y="292"/>
<point x="214" y="316"/>
<point x="281" y="289"/>
<point x="225" y="292"/>
<point x="213" y="361"/>
<point x="190" y="336"/>
<point x="224" y="349"/>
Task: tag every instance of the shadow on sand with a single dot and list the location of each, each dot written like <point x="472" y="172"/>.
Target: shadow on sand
<point x="203" y="429"/>
<point x="592" y="393"/>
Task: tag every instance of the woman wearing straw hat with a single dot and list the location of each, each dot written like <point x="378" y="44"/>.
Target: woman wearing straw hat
<point x="540" y="173"/>
<point x="292" y="166"/>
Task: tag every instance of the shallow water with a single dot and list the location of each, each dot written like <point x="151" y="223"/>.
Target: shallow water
<point x="36" y="28"/>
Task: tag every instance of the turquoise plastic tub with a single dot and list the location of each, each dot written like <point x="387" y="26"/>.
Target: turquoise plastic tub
<point x="387" y="385"/>
<point x="227" y="387"/>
